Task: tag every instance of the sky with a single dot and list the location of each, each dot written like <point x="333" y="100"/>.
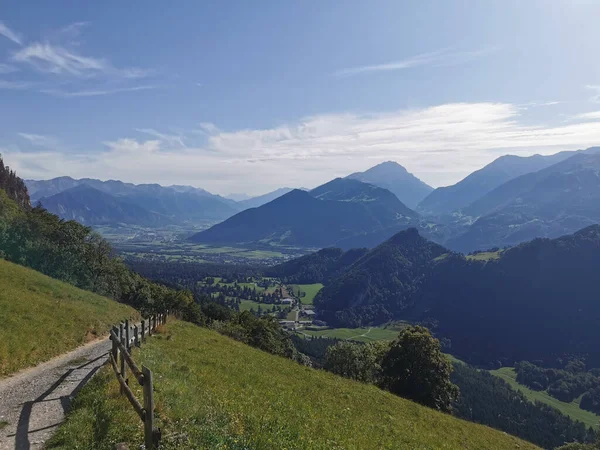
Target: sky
<point x="246" y="97"/>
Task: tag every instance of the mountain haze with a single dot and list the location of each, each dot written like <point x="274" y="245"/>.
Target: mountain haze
<point x="557" y="200"/>
<point x="319" y="218"/>
<point x="260" y="200"/>
<point x="90" y="206"/>
<point x="392" y="176"/>
<point x="445" y="200"/>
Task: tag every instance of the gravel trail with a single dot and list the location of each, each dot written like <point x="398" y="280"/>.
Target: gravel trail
<point x="33" y="402"/>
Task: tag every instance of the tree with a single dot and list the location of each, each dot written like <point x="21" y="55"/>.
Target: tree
<point x="361" y="362"/>
<point x="415" y="368"/>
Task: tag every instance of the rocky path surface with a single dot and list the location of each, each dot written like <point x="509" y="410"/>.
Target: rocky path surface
<point x="33" y="402"/>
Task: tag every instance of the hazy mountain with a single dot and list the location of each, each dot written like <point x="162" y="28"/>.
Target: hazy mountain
<point x="319" y="218"/>
<point x="544" y="291"/>
<point x="557" y="200"/>
<point x="445" y="200"/>
<point x="260" y="200"/>
<point x="238" y="197"/>
<point x="90" y="206"/>
<point x="180" y="203"/>
<point x="396" y="179"/>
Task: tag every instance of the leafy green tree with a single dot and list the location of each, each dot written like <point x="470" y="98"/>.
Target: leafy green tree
<point x="361" y="362"/>
<point x="415" y="368"/>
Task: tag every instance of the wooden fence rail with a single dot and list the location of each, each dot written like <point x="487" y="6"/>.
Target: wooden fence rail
<point x="122" y="337"/>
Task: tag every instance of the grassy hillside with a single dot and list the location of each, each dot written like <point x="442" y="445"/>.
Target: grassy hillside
<point x="43" y="317"/>
<point x="213" y="392"/>
<point x="571" y="409"/>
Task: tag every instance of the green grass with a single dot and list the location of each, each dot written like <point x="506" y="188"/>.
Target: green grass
<point x="485" y="256"/>
<point x="43" y="317"/>
<point x="247" y="305"/>
<point x="572" y="409"/>
<point x="212" y="392"/>
<point x="309" y="289"/>
<point x="357" y="334"/>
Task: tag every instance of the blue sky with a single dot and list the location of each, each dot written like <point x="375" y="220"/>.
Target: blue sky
<point x="237" y="96"/>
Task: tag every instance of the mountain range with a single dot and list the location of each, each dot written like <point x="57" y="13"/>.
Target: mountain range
<point x="445" y="200"/>
<point x="511" y="200"/>
<point x="322" y="217"/>
<point x="150" y="205"/>
<point x="469" y="301"/>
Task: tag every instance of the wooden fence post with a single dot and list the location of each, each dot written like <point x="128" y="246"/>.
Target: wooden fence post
<point x="149" y="432"/>
<point x="150" y="326"/>
<point x="123" y="370"/>
<point x="115" y="349"/>
<point x="127" y="334"/>
<point x="143" y="330"/>
<point x="136" y="337"/>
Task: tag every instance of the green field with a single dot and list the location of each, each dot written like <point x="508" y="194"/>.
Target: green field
<point x="367" y="334"/>
<point x="184" y="251"/>
<point x="572" y="409"/>
<point x="309" y="291"/>
<point x="43" y="317"/>
<point x="212" y="392"/>
<point x="247" y="305"/>
<point x="485" y="256"/>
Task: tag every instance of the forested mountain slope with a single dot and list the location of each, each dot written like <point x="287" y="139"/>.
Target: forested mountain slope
<point x="543" y="291"/>
<point x="319" y="218"/>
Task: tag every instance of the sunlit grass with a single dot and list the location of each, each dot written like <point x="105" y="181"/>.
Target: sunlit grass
<point x="571" y="409"/>
<point x="43" y="317"/>
<point x="214" y="393"/>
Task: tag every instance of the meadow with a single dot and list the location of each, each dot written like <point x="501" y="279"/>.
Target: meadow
<point x="307" y="292"/>
<point x="43" y="317"/>
<point x="571" y="409"/>
<point x="214" y="392"/>
<point x="366" y="334"/>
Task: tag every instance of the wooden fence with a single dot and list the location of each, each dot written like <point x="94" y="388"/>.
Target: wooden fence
<point x="123" y="338"/>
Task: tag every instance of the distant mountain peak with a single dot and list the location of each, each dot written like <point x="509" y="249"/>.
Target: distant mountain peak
<point x="395" y="178"/>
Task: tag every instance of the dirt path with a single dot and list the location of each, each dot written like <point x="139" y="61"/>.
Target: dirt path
<point x="33" y="402"/>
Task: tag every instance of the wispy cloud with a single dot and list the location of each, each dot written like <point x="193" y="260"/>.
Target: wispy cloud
<point x="96" y="92"/>
<point x="10" y="34"/>
<point x="440" y="144"/>
<point x="7" y="68"/>
<point x="170" y="139"/>
<point x="596" y="97"/>
<point x="40" y="140"/>
<point x="594" y="115"/>
<point x="55" y="59"/>
<point x="16" y="85"/>
<point x="444" y="57"/>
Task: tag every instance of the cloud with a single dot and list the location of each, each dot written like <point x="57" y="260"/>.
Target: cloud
<point x="6" y="68"/>
<point x="170" y="139"/>
<point x="15" y="85"/>
<point x="96" y="92"/>
<point x="440" y="144"/>
<point x="55" y="59"/>
<point x="596" y="97"/>
<point x="10" y="34"/>
<point x="440" y="58"/>
<point x="40" y="140"/>
<point x="594" y="115"/>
